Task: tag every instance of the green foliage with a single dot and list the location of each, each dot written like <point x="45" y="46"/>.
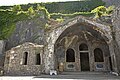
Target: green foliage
<point x="31" y="11"/>
<point x="44" y="10"/>
<point x="7" y="22"/>
<point x="110" y="9"/>
<point x="102" y="11"/>
<point x="9" y="17"/>
<point x="59" y="11"/>
<point x="59" y="15"/>
<point x="65" y="7"/>
<point x="16" y="8"/>
<point x="60" y="19"/>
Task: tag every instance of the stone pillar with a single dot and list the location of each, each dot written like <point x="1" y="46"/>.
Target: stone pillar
<point x="116" y="34"/>
<point x="49" y="53"/>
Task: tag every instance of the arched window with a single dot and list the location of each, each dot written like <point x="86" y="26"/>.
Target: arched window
<point x="25" y="56"/>
<point x="98" y="54"/>
<point x="83" y="47"/>
<point x="70" y="55"/>
<point x="38" y="59"/>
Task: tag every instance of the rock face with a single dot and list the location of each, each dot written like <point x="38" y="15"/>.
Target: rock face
<point x="112" y="2"/>
<point x="116" y="31"/>
<point x="27" y="31"/>
<point x="2" y="45"/>
<point x="2" y="48"/>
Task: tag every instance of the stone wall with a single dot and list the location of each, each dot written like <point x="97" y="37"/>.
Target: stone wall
<point x="116" y="33"/>
<point x="115" y="45"/>
<point x="72" y="38"/>
<point x="53" y="35"/>
<point x="14" y="60"/>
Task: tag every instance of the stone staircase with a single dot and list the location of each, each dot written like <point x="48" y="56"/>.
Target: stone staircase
<point x="82" y="76"/>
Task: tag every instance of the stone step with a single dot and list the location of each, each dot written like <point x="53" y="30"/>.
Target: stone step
<point x="84" y="73"/>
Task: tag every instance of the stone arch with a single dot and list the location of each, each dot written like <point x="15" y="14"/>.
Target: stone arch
<point x="55" y="33"/>
<point x="105" y="30"/>
<point x="98" y="55"/>
<point x="70" y="55"/>
<point x="83" y="46"/>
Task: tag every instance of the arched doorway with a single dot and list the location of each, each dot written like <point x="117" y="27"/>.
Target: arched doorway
<point x="70" y="55"/>
<point x="75" y="49"/>
<point x="98" y="55"/>
<point x="84" y="57"/>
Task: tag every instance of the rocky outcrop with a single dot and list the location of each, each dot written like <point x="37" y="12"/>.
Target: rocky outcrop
<point x="27" y="31"/>
<point x="112" y="2"/>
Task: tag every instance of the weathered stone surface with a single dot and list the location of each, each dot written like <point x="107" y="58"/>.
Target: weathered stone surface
<point x="69" y="34"/>
<point x="112" y="2"/>
<point x="2" y="46"/>
<point x="102" y="31"/>
<point x="27" y="31"/>
<point x="14" y="61"/>
<point x="116" y="34"/>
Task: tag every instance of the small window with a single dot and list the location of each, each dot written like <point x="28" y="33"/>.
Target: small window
<point x="98" y="54"/>
<point x="25" y="56"/>
<point x="83" y="47"/>
<point x="7" y="60"/>
<point x="38" y="59"/>
<point x="70" y="55"/>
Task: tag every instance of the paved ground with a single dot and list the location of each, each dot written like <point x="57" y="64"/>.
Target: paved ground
<point x="82" y="75"/>
<point x="66" y="76"/>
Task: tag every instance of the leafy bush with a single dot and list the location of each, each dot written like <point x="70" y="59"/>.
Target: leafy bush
<point x="102" y="11"/>
<point x="16" y="8"/>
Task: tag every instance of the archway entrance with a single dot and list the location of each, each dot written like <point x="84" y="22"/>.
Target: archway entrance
<point x="84" y="60"/>
<point x="84" y="57"/>
<point x="70" y="55"/>
<point x="75" y="50"/>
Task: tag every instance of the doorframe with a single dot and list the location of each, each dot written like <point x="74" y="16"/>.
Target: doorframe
<point x="87" y="52"/>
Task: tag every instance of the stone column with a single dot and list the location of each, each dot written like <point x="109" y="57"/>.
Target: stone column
<point x="116" y="35"/>
<point x="49" y="53"/>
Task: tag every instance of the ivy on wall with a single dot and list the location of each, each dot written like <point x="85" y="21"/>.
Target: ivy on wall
<point x="9" y="15"/>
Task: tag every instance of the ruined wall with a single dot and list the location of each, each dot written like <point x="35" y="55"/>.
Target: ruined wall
<point x="14" y="60"/>
<point x="116" y="33"/>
